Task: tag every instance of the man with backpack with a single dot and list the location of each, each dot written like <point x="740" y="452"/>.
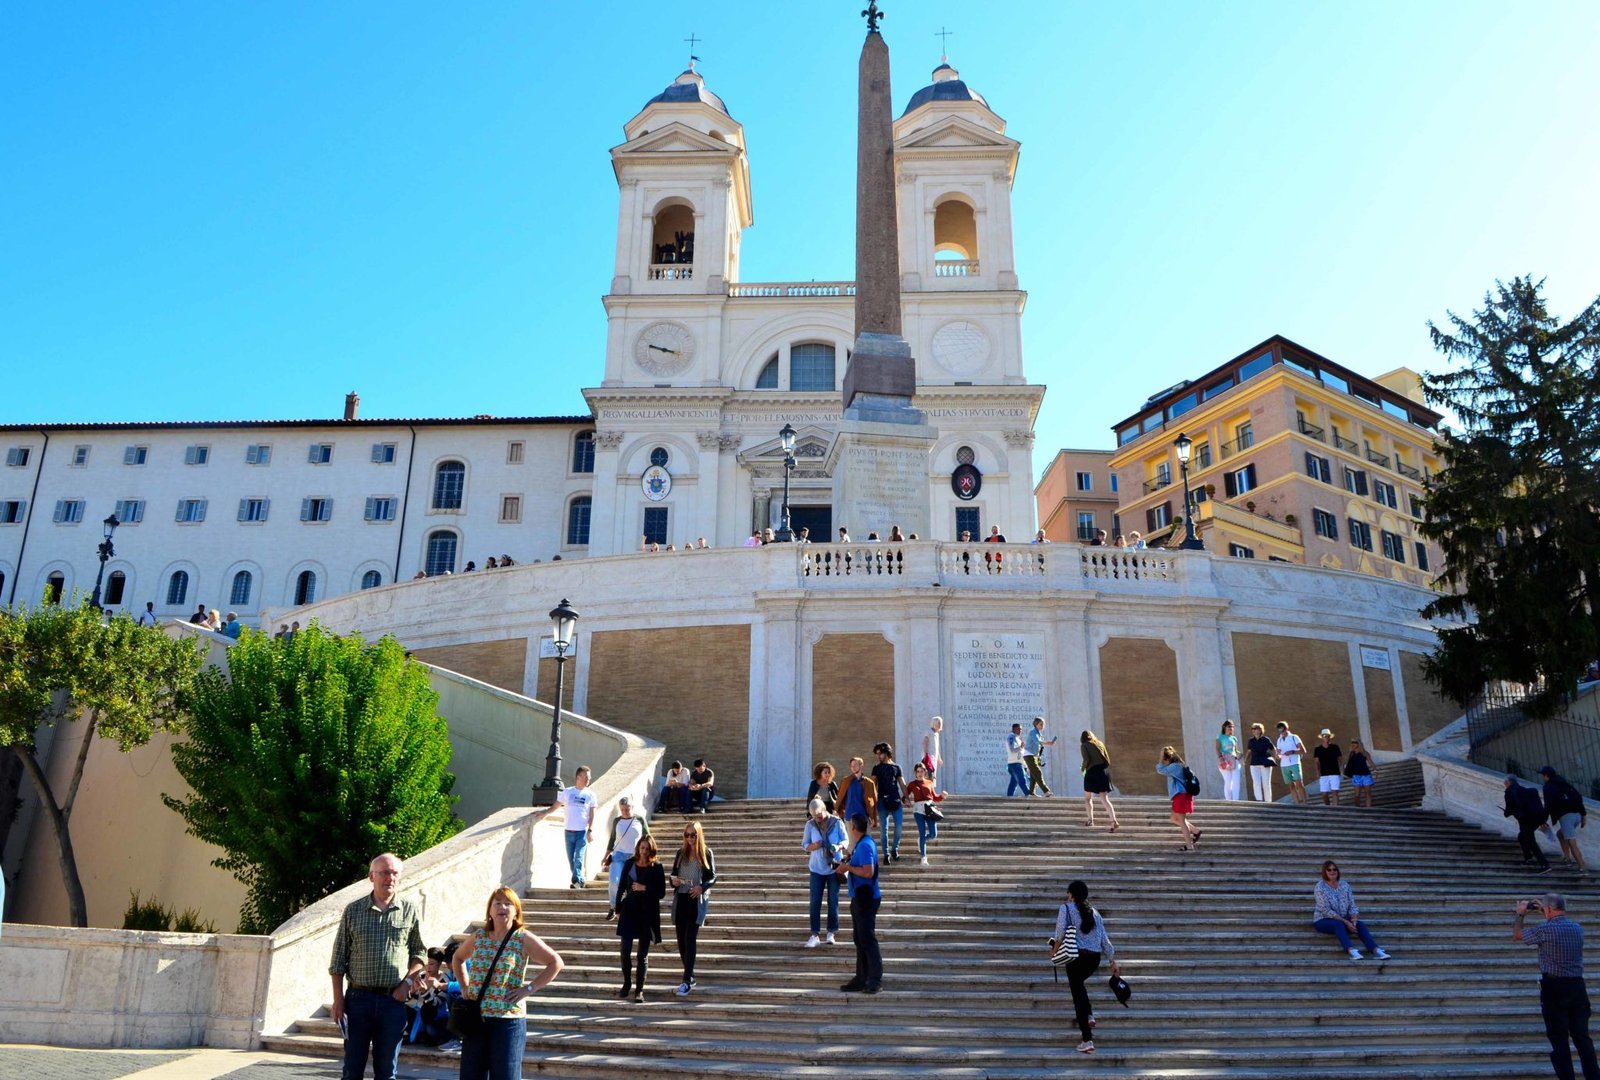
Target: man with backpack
<point x="1564" y="805"/>
<point x="1182" y="785"/>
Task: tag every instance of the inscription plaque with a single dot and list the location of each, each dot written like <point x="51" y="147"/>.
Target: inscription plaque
<point x="996" y="680"/>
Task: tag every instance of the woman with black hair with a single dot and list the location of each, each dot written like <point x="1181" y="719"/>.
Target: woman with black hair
<point x="1094" y="944"/>
<point x="640" y="887"/>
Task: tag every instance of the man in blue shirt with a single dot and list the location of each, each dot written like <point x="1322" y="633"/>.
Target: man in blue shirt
<point x="861" y="875"/>
<point x="1034" y="757"/>
<point x="1563" y="999"/>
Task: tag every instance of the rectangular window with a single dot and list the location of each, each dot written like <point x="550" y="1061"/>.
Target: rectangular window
<point x="1383" y="492"/>
<point x="1240" y="481"/>
<point x="1086" y="525"/>
<point x="514" y="451"/>
<point x="1202" y="455"/>
<point x="316" y="509"/>
<point x="1085" y="481"/>
<point x="1302" y="368"/>
<point x="1422" y="555"/>
<point x="510" y="509"/>
<point x="1216" y="388"/>
<point x="1239" y="551"/>
<point x="1355" y="481"/>
<point x="1393" y="547"/>
<point x="1158" y="517"/>
<point x="1113" y="483"/>
<point x="1396" y="410"/>
<point x="1324" y="524"/>
<point x="129" y="511"/>
<point x="1256" y="366"/>
<point x="68" y="511"/>
<point x="383" y="453"/>
<point x="1360" y="535"/>
<point x="1319" y="468"/>
<point x="196" y="455"/>
<point x="1244" y="436"/>
<point x="1151" y="422"/>
<point x="578" y="522"/>
<point x="1182" y="405"/>
<point x="80" y="456"/>
<point x="1163" y="473"/>
<point x="1416" y="507"/>
<point x="17" y="456"/>
<point x="655" y="525"/>
<point x="191" y="511"/>
<point x="583" y="451"/>
<point x="1330" y="379"/>
<point x="321" y="453"/>
<point x="1128" y="434"/>
<point x="254" y="510"/>
<point x="135" y="455"/>
<point x="11" y="511"/>
<point x="259" y="454"/>
<point x="380" y="508"/>
<point x="968" y="520"/>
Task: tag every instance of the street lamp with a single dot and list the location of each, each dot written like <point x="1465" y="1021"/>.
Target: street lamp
<point x="786" y="439"/>
<point x="1185" y="446"/>
<point x="108" y="526"/>
<point x="565" y="621"/>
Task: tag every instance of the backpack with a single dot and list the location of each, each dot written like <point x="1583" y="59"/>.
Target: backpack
<point x="1191" y="782"/>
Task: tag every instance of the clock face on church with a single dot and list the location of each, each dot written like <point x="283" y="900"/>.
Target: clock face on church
<point x="961" y="348"/>
<point x="664" y="348"/>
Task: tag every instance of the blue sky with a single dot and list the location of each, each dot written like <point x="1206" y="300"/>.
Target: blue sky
<point x="223" y="210"/>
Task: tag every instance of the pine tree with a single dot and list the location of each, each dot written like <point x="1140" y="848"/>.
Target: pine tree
<point x="1516" y="507"/>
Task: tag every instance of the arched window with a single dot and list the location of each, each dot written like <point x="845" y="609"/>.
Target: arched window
<point x="239" y="595"/>
<point x="583" y="452"/>
<point x="811" y="367"/>
<point x="54" y="586"/>
<point x="441" y="553"/>
<point x="955" y="232"/>
<point x="2" y="581"/>
<point x="578" y="521"/>
<point x="672" y="242"/>
<point x="305" y="588"/>
<point x="178" y="588"/>
<point x="116" y="585"/>
<point x="768" y="379"/>
<point x="449" y="481"/>
<point x="371" y="579"/>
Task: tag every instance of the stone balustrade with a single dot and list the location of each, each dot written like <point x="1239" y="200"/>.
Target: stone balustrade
<point x="768" y="289"/>
<point x="986" y="566"/>
<point x="956" y="268"/>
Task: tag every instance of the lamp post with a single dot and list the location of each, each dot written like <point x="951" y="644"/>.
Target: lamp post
<point x="1191" y="540"/>
<point x="109" y="526"/>
<point x="565" y="622"/>
<point x="786" y="439"/>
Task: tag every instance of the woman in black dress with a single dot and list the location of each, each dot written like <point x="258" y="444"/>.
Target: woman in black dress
<point x="639" y="894"/>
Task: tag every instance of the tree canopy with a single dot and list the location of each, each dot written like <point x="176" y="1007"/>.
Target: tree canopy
<point x="1516" y="508"/>
<point x="313" y="754"/>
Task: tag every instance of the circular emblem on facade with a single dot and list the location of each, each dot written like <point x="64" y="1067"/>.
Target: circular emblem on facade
<point x="664" y="348"/>
<point x="657" y="483"/>
<point x="966" y="481"/>
<point x="961" y="348"/>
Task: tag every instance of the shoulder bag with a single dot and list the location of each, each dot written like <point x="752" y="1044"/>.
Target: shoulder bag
<point x="1066" y="950"/>
<point x="466" y="1014"/>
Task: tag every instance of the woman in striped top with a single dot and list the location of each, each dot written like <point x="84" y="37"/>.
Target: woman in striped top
<point x="496" y="1053"/>
<point x="1094" y="944"/>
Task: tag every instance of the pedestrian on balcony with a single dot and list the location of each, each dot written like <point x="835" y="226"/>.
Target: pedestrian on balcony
<point x="895" y="535"/>
<point x="1228" y="761"/>
<point x="891" y="785"/>
<point x="1172" y="766"/>
<point x="642" y="884"/>
<point x="1568" y="814"/>
<point x="1096" y="777"/>
<point x="694" y="871"/>
<point x="861" y="871"/>
<point x="994" y="558"/>
<point x="1040" y="538"/>
<point x="1135" y="541"/>
<point x="1260" y="749"/>
<point x="844" y="535"/>
<point x="858" y="794"/>
<point x="822" y="786"/>
<point x="1289" y="750"/>
<point x="626" y="832"/>
<point x="1016" y="749"/>
<point x="1336" y="913"/>
<point x="768" y="536"/>
<point x="1563" y="996"/>
<point x="1094" y="945"/>
<point x="490" y="564"/>
<point x="1099" y="538"/>
<point x="1524" y="805"/>
<point x="493" y="968"/>
<point x="1033" y="757"/>
<point x="1327" y="755"/>
<point x="1358" y="770"/>
<point x="754" y="539"/>
<point x="921" y="796"/>
<point x="932" y="757"/>
<point x="825" y="842"/>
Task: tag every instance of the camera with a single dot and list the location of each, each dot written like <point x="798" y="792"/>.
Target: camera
<point x="1534" y="905"/>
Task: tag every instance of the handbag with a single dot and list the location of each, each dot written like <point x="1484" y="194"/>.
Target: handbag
<point x="1067" y="950"/>
<point x="933" y="812"/>
<point x="466" y="1014"/>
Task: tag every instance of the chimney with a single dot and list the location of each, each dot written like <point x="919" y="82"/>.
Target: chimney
<point x="352" y="404"/>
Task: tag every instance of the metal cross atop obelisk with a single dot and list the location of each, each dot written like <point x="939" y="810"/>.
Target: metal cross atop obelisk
<point x="879" y="460"/>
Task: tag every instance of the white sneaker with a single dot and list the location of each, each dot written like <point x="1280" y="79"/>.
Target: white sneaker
<point x="1355" y="954"/>
<point x="1381" y="955"/>
<point x="813" y="941"/>
<point x="831" y="941"/>
<point x="924" y="860"/>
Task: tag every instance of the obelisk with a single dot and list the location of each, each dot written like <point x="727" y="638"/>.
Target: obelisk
<point x="879" y="461"/>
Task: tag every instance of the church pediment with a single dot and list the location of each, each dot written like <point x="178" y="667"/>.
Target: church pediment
<point x="810" y="448"/>
<point x="955" y="132"/>
<point x="675" y="138"/>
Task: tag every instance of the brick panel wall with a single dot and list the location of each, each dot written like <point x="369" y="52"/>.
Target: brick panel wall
<point x="498" y="663"/>
<point x="852" y="700"/>
<point x="1303" y="681"/>
<point x="1428" y="711"/>
<point x="1382" y="714"/>
<point x="1139" y="698"/>
<point x="547" y="681"/>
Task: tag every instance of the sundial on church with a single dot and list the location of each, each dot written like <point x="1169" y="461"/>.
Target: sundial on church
<point x="961" y="348"/>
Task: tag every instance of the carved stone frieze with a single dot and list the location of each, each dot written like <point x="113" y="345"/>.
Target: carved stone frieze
<point x="709" y="440"/>
<point x="609" y="440"/>
<point x="1019" y="438"/>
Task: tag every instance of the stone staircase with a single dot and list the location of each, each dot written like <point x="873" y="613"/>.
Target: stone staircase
<point x="1396" y="783"/>
<point x="1228" y="978"/>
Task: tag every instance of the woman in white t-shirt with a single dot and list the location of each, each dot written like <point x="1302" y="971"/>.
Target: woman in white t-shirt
<point x="626" y="832"/>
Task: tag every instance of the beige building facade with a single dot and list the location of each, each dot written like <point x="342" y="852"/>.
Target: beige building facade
<point x="1077" y="496"/>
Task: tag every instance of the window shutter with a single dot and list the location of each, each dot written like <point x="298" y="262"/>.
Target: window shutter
<point x="370" y="508"/>
<point x="1230" y="484"/>
<point x="1361" y="481"/>
<point x="377" y="453"/>
<point x="1150" y="520"/>
<point x="326" y="509"/>
<point x="1250" y="474"/>
<point x="305" y="509"/>
<point x="244" y="508"/>
<point x="60" y="509"/>
<point x="200" y="510"/>
<point x="129" y="455"/>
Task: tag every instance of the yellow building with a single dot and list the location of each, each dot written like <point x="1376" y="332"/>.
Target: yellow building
<point x="1295" y="458"/>
<point x="1077" y="496"/>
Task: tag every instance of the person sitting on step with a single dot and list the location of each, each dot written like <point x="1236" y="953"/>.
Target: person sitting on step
<point x="1336" y="913"/>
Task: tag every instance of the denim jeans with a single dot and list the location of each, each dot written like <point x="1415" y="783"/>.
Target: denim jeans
<point x="927" y="829"/>
<point x="1565" y="1005"/>
<point x="577" y="841"/>
<point x="497" y="1053"/>
<point x="1340" y="931"/>
<point x="1019" y="782"/>
<point x="898" y="813"/>
<point x="614" y="881"/>
<point x="673" y="798"/>
<point x="375" y="1022"/>
<point x="820" y="882"/>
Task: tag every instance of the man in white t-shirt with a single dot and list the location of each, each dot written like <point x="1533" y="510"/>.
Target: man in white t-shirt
<point x="1018" y="782"/>
<point x="1290" y="749"/>
<point x="147" y="617"/>
<point x="579" y="802"/>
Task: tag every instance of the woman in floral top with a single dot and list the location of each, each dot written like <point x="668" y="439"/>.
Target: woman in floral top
<point x="496" y="1053"/>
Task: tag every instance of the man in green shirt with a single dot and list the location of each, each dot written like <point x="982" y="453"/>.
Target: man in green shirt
<point x="379" y="949"/>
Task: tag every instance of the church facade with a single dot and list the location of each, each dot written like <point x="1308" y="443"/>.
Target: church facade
<point x="702" y="370"/>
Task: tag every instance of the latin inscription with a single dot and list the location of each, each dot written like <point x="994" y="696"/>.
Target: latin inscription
<point x="996" y="680"/>
<point x="886" y="484"/>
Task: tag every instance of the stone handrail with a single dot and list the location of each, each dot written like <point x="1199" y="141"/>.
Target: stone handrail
<point x="984" y="566"/>
<point x="791" y="288"/>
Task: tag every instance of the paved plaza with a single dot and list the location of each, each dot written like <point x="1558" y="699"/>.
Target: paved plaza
<point x="52" y="1063"/>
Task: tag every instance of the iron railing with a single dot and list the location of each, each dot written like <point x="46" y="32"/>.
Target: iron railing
<point x="1314" y="431"/>
<point x="1505" y="739"/>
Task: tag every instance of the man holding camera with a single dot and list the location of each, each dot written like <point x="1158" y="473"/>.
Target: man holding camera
<point x="1563" y="999"/>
